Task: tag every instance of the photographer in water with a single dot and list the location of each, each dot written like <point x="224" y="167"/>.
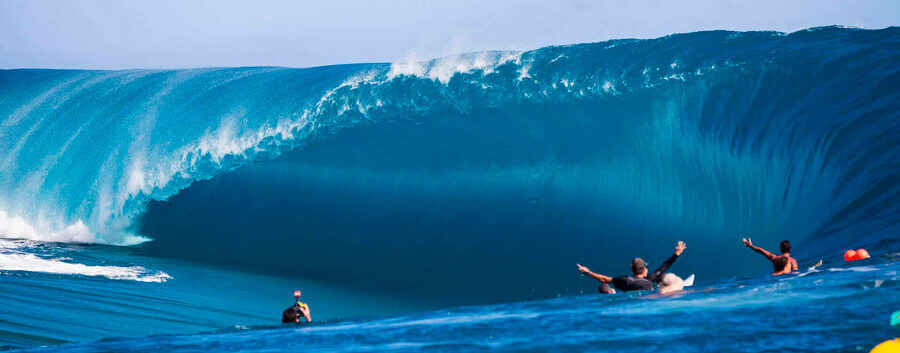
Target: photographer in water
<point x="293" y="314"/>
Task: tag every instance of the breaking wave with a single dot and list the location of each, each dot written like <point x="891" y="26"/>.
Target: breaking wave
<point x="711" y="133"/>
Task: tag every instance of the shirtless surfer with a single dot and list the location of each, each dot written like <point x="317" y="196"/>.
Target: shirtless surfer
<point x="782" y="264"/>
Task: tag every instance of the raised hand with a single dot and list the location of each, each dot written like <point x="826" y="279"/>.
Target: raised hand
<point x="747" y="241"/>
<point x="680" y="247"/>
<point x="583" y="269"/>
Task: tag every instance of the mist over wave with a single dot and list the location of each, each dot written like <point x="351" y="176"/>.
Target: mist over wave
<point x="560" y="151"/>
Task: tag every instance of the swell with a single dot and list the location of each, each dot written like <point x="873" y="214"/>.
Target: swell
<point x="713" y="134"/>
<point x="481" y="195"/>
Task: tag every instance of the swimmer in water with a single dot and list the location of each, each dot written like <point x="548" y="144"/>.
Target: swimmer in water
<point x="296" y="311"/>
<point x="778" y="267"/>
<point x="640" y="280"/>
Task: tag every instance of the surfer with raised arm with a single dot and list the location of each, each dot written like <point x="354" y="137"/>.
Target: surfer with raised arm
<point x="640" y="280"/>
<point x="782" y="264"/>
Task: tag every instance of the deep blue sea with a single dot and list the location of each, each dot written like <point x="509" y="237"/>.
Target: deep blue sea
<point x="442" y="205"/>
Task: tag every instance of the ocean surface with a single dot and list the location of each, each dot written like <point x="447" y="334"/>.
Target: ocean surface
<point x="442" y="205"/>
<point x="840" y="309"/>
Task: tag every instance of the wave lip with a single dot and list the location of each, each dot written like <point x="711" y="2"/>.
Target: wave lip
<point x="12" y="259"/>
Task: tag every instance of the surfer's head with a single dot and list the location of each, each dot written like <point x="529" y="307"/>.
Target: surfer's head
<point x="785" y="247"/>
<point x="638" y="267"/>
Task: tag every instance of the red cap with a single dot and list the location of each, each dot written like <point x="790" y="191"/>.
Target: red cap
<point x="297" y="293"/>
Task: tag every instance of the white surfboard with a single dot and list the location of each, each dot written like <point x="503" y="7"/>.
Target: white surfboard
<point x="689" y="281"/>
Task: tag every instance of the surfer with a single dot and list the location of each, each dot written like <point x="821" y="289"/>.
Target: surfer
<point x="293" y="314"/>
<point x="640" y="280"/>
<point x="778" y="261"/>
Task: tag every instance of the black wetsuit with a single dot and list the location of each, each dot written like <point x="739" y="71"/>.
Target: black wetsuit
<point x="630" y="283"/>
<point x="292" y="314"/>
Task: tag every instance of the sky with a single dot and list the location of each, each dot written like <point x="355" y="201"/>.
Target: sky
<point x="120" y="34"/>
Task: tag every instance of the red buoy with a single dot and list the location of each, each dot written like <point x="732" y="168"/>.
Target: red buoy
<point x="850" y="255"/>
<point x="858" y="254"/>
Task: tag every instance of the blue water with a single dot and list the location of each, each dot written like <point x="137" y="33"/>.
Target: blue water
<point x="148" y="202"/>
<point x="738" y="315"/>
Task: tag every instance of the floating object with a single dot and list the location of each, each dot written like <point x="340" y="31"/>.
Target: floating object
<point x="862" y="254"/>
<point x="895" y="318"/>
<point x="296" y="294"/>
<point x="858" y="254"/>
<point x="889" y="346"/>
<point x="689" y="281"/>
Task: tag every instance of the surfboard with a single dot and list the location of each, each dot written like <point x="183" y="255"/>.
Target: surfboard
<point x="689" y="281"/>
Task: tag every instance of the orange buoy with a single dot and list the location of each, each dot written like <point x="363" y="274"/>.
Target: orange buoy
<point x="850" y="255"/>
<point x="858" y="254"/>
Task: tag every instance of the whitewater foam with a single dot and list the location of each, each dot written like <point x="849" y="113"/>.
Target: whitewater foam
<point x="18" y="228"/>
<point x="443" y="69"/>
<point x="13" y="259"/>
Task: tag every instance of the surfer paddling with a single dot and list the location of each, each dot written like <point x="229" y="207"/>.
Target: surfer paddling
<point x="782" y="264"/>
<point x="640" y="280"/>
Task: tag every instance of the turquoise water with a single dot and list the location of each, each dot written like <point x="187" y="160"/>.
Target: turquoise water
<point x="176" y="202"/>
<point x="50" y="308"/>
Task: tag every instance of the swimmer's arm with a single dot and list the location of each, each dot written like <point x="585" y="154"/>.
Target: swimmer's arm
<point x="655" y="276"/>
<point x="760" y="250"/>
<point x="305" y="311"/>
<point x="597" y="276"/>
<point x="794" y="264"/>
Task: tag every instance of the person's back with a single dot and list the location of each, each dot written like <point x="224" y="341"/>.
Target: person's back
<point x="637" y="281"/>
<point x="782" y="265"/>
<point x="632" y="283"/>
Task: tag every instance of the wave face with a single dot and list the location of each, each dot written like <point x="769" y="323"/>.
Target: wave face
<point x="541" y="158"/>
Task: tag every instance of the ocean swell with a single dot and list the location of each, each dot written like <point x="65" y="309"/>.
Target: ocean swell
<point x="788" y="134"/>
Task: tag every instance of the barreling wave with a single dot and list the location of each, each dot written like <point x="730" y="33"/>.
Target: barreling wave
<point x="710" y="131"/>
